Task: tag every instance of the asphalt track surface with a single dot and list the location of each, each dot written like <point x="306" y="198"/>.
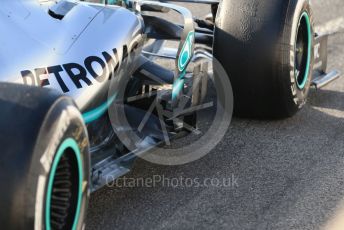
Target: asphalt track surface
<point x="287" y="174"/>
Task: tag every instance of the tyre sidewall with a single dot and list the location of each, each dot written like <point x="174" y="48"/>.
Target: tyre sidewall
<point x="60" y="124"/>
<point x="296" y="97"/>
<point x="259" y="37"/>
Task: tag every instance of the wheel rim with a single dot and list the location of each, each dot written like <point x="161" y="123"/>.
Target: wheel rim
<point x="64" y="191"/>
<point x="302" y="50"/>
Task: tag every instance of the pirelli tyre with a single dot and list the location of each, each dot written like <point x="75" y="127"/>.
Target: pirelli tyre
<point x="266" y="47"/>
<point x="44" y="160"/>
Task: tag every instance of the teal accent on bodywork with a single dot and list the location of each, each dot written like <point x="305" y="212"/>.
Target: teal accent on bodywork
<point x="178" y="86"/>
<point x="186" y="52"/>
<point x="96" y="113"/>
<point x="110" y="2"/>
<point x="309" y="51"/>
<point x="66" y="144"/>
<point x="115" y="2"/>
<point x="184" y="58"/>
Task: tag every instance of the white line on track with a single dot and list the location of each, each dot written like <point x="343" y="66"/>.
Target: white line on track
<point x="331" y="27"/>
<point x="333" y="113"/>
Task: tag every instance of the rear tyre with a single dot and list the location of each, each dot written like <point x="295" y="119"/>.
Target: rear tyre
<point x="44" y="165"/>
<point x="266" y="47"/>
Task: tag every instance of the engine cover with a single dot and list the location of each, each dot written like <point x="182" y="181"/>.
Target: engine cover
<point x="76" y="54"/>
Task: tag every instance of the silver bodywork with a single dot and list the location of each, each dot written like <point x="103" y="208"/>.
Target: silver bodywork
<point x="79" y="47"/>
<point x="32" y="41"/>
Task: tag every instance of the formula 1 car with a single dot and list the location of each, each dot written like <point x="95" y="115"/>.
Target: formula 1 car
<point x="60" y="137"/>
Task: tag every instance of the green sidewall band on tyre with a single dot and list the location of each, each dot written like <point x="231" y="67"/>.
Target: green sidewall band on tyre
<point x="305" y="16"/>
<point x="66" y="144"/>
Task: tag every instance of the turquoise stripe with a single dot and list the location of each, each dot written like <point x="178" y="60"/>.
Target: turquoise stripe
<point x="178" y="86"/>
<point x="96" y="113"/>
<point x="309" y="51"/>
<point x="68" y="143"/>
